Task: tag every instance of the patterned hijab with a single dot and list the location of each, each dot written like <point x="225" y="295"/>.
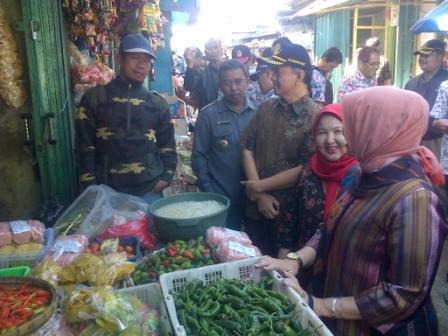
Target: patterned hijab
<point x="384" y="123"/>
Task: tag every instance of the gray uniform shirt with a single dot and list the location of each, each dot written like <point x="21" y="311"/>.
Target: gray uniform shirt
<point x="216" y="155"/>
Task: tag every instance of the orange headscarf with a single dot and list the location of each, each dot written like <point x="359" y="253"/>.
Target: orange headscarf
<point x="383" y="123"/>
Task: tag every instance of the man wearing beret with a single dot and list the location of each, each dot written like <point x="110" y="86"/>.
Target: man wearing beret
<point x="125" y="137"/>
<point x="277" y="143"/>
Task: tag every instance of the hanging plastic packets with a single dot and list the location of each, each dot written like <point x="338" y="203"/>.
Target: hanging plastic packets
<point x="12" y="89"/>
<point x="89" y="24"/>
<point x="150" y="22"/>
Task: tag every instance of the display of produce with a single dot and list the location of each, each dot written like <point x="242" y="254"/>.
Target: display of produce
<point x="87" y="268"/>
<point x="21" y="232"/>
<point x="236" y="308"/>
<point x="109" y="313"/>
<point x="97" y="270"/>
<point x="47" y="270"/>
<point x="190" y="209"/>
<point x="20" y="304"/>
<point x="216" y="235"/>
<point x="175" y="256"/>
<point x="67" y="248"/>
<point x="126" y="245"/>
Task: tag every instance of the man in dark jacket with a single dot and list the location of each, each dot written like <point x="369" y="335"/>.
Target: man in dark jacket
<point x="202" y="82"/>
<point x="125" y="135"/>
<point x="427" y="84"/>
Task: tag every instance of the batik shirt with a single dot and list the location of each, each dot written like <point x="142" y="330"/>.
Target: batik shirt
<point x="354" y="83"/>
<point x="440" y="111"/>
<point x="318" y="84"/>
<point x="280" y="136"/>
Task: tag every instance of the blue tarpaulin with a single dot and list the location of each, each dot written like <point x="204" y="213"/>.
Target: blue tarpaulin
<point x="435" y="21"/>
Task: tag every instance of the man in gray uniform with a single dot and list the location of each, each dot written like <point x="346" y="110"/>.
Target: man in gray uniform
<point x="216" y="146"/>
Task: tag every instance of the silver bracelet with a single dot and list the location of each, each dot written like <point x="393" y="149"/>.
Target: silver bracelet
<point x="333" y="306"/>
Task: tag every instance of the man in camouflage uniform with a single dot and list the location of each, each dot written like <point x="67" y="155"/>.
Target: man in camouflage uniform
<point x="125" y="135"/>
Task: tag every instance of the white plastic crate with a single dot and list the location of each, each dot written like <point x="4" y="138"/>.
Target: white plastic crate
<point x="29" y="259"/>
<point x="151" y="295"/>
<point x="245" y="271"/>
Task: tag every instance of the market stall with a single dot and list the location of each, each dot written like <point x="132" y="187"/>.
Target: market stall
<point x="112" y="265"/>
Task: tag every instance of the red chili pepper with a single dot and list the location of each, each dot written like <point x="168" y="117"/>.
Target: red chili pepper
<point x="206" y="251"/>
<point x="171" y="252"/>
<point x="188" y="254"/>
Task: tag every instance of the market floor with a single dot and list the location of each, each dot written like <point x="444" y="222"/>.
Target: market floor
<point x="439" y="290"/>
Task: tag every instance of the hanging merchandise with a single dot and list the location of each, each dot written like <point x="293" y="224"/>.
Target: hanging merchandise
<point x="89" y="25"/>
<point x="145" y="17"/>
<point x="12" y="89"/>
<point x="95" y="26"/>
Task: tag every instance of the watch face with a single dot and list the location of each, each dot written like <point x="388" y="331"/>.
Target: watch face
<point x="292" y="255"/>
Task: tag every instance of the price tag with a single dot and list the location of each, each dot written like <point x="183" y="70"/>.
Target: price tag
<point x="249" y="251"/>
<point x="234" y="233"/>
<point x="19" y="226"/>
<point x="68" y="245"/>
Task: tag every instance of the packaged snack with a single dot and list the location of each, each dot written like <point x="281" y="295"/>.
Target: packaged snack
<point x="216" y="235"/>
<point x="21" y="232"/>
<point x="67" y="248"/>
<point x="232" y="250"/>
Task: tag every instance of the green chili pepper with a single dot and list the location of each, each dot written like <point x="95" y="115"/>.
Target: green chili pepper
<point x="214" y="309"/>
<point x="227" y="324"/>
<point x="193" y="323"/>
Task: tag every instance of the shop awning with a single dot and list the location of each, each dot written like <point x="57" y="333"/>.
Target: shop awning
<point x="318" y="6"/>
<point x="435" y="21"/>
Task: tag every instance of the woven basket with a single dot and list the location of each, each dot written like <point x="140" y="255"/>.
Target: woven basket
<point x="37" y="321"/>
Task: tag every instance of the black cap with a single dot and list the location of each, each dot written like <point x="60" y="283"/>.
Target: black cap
<point x="241" y="53"/>
<point x="136" y="43"/>
<point x="262" y="63"/>
<point x="431" y="46"/>
<point x="291" y="54"/>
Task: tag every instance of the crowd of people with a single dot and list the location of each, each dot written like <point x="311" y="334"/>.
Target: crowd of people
<point x="341" y="197"/>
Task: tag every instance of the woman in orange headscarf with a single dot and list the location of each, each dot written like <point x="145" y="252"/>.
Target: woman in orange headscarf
<point x="384" y="236"/>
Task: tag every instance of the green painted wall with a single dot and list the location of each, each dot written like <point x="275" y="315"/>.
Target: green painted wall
<point x="405" y="45"/>
<point x="20" y="192"/>
<point x="333" y="30"/>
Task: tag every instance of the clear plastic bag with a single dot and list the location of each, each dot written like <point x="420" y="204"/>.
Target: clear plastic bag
<point x="100" y="209"/>
<point x="67" y="248"/>
<point x="232" y="250"/>
<point x="55" y="326"/>
<point x="216" y="235"/>
<point x="109" y="313"/>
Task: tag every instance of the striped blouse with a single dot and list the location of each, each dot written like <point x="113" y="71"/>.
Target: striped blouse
<point x="382" y="245"/>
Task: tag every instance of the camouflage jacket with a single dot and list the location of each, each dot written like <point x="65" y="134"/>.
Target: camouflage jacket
<point x="125" y="138"/>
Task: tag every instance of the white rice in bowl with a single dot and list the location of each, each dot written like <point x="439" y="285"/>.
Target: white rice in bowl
<point x="189" y="209"/>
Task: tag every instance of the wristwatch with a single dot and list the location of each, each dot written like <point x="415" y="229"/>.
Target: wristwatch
<point x="296" y="257"/>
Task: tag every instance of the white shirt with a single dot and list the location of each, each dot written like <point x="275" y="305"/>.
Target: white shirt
<point x="440" y="111"/>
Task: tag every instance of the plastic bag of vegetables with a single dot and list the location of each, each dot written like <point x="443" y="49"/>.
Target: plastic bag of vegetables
<point x="110" y="313"/>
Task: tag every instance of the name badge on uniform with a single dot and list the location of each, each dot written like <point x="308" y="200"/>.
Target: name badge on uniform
<point x="222" y="122"/>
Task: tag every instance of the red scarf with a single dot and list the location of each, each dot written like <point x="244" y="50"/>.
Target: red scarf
<point x="330" y="172"/>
